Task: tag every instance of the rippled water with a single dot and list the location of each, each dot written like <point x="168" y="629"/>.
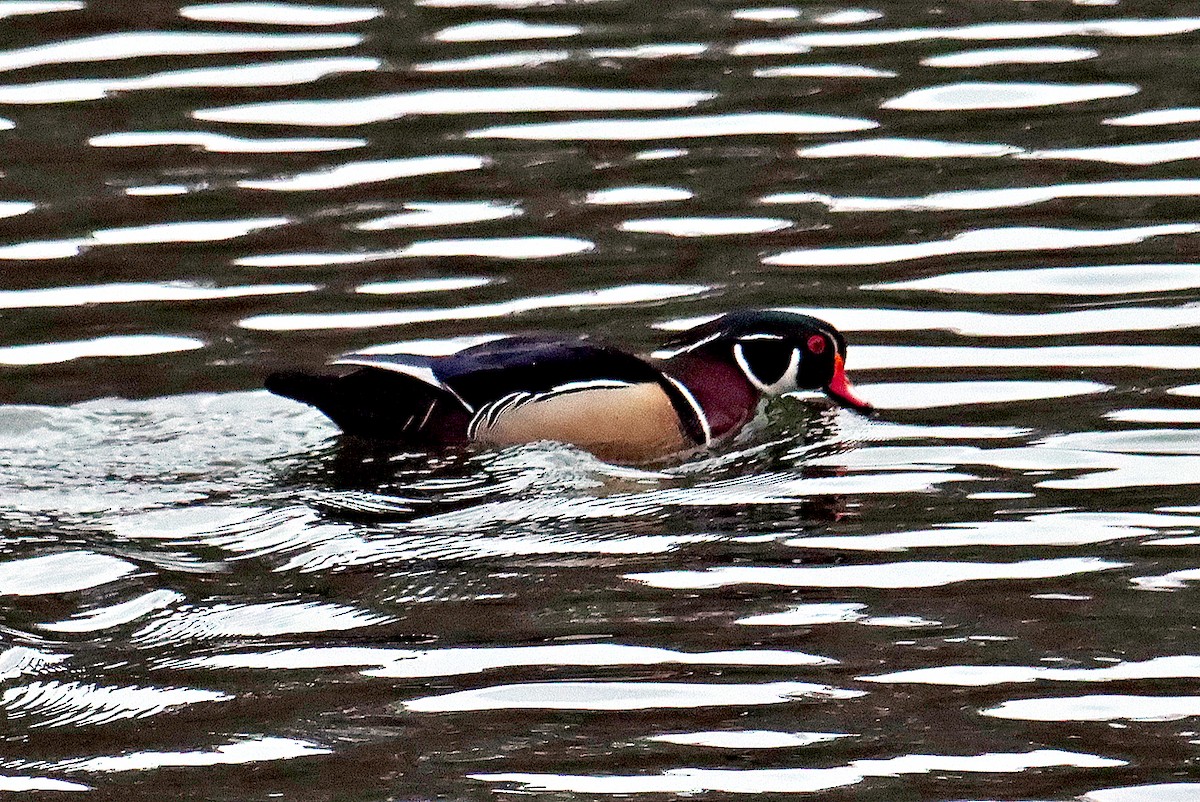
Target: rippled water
<point x="985" y="594"/>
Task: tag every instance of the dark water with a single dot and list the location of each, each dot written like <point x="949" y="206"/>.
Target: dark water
<point x="987" y="594"/>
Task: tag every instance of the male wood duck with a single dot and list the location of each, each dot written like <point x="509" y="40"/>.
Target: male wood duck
<point x="706" y="385"/>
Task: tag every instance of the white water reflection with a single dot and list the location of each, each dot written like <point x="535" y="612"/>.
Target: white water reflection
<point x="1007" y="198"/>
<point x="1108" y="469"/>
<point x="998" y="31"/>
<point x="823" y="71"/>
<point x="988" y="324"/>
<point x="807" y="615"/>
<point x="648" y="695"/>
<point x="20" y="8"/>
<point x="159" y="190"/>
<point x="508" y="4"/>
<point x="187" y="231"/>
<point x="677" y="127"/>
<point x="927" y="395"/>
<point x="107" y="457"/>
<point x="1148" y="441"/>
<point x="619" y="196"/>
<point x="770" y="14"/>
<point x="1098" y="280"/>
<point x="142" y="44"/>
<point x="222" y="143"/>
<point x="361" y="111"/>
<point x="764" y="489"/>
<point x="820" y="613"/>
<point x="443" y="214"/>
<point x="1098" y="708"/>
<point x="660" y="153"/>
<point x="431" y="347"/>
<point x="43" y="249"/>
<point x="255" y="620"/>
<point x="1155" y="415"/>
<point x="64" y="572"/>
<point x="367" y="172"/>
<point x="1174" y="580"/>
<point x="17" y="661"/>
<point x="1011" y="55"/>
<point x="409" y="663"/>
<point x="1146" y="153"/>
<point x="116" y="615"/>
<point x="980" y="95"/>
<point x="421" y="285"/>
<point x="15" y="208"/>
<point x="138" y="292"/>
<point x="500" y="247"/>
<point x="504" y="31"/>
<point x="1180" y="667"/>
<point x="490" y="248"/>
<point x="274" y="74"/>
<point x="1050" y="529"/>
<point x="19" y="784"/>
<point x="254" y="750"/>
<point x="748" y="739"/>
<point x="898" y="147"/>
<point x="1162" y="792"/>
<point x="689" y="781"/>
<point x="705" y="226"/>
<point x="884" y="575"/>
<point x="267" y="13"/>
<point x="654" y="51"/>
<point x="1168" y="357"/>
<point x="768" y="47"/>
<point x="75" y="704"/>
<point x="983" y="240"/>
<point x="847" y="16"/>
<point x="612" y="296"/>
<point x="1159" y="117"/>
<point x="481" y="541"/>
<point x="494" y="61"/>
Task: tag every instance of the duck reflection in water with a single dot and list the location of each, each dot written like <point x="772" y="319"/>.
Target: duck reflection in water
<point x="700" y="390"/>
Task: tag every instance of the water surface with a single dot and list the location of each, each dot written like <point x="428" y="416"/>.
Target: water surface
<point x="985" y="594"/>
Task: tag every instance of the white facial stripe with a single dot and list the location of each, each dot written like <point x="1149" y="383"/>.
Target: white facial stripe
<point x="761" y="337"/>
<point x="668" y="353"/>
<point x="739" y="356"/>
<point x="786" y="382"/>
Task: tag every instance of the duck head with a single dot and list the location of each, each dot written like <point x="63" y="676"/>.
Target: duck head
<point x="776" y="352"/>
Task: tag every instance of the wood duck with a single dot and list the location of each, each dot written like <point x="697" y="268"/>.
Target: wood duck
<point x="702" y="388"/>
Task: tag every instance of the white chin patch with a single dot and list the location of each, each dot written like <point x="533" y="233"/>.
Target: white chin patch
<point x="785" y="384"/>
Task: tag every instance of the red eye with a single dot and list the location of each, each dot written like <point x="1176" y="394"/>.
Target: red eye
<point x="816" y="344"/>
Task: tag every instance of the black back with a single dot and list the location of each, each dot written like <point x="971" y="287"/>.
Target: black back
<point x="494" y="369"/>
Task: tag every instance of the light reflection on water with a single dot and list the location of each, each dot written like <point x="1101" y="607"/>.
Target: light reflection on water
<point x="202" y="584"/>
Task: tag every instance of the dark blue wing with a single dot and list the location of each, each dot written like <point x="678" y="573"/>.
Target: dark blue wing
<point x="489" y="371"/>
<point x="492" y="370"/>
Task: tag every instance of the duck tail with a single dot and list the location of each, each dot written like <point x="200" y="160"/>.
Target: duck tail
<point x="367" y="402"/>
<point x="328" y="392"/>
<point x="308" y="388"/>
